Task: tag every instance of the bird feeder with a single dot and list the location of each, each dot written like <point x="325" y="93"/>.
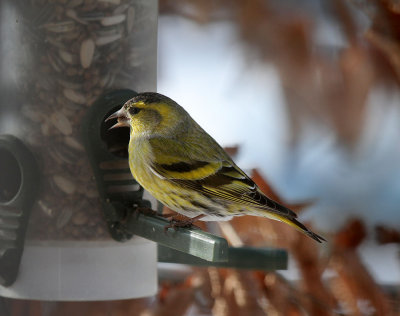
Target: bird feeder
<point x="57" y="59"/>
<point x="65" y="184"/>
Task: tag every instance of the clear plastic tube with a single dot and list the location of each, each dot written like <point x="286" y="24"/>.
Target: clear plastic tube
<point x="57" y="58"/>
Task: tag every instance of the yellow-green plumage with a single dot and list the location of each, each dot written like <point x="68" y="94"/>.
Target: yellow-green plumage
<point x="183" y="167"/>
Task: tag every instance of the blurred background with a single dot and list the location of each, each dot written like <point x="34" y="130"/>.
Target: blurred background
<point x="310" y="96"/>
<point x="306" y="97"/>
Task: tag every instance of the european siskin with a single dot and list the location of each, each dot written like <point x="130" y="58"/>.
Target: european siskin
<point x="183" y="167"/>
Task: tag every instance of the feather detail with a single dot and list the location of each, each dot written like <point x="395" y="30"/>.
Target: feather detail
<point x="194" y="170"/>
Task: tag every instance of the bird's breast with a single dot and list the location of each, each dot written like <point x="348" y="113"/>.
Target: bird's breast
<point x="140" y="158"/>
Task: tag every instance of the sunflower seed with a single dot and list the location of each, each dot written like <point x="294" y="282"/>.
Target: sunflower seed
<point x="64" y="154"/>
<point x="55" y="62"/>
<point x="73" y="15"/>
<point x="111" y="20"/>
<point x="61" y="122"/>
<point x="55" y="42"/>
<point x="121" y="9"/>
<point x="91" y="16"/>
<point x="110" y="31"/>
<point x="87" y="52"/>
<point x="104" y="40"/>
<point x="67" y="57"/>
<point x="59" y="27"/>
<point x="64" y="184"/>
<point x="73" y="143"/>
<point x="73" y="84"/>
<point x="74" y="96"/>
<point x="45" y="209"/>
<point x="64" y="217"/>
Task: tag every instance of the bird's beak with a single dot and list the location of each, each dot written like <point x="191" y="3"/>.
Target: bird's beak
<point x="123" y="120"/>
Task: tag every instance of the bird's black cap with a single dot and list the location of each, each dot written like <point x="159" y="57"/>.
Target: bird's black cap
<point x="151" y="97"/>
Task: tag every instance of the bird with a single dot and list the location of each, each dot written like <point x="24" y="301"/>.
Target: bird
<point x="183" y="167"/>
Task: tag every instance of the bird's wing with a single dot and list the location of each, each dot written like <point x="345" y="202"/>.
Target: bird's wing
<point x="210" y="171"/>
<point x="180" y="160"/>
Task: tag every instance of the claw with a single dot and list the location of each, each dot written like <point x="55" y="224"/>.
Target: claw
<point x="187" y="223"/>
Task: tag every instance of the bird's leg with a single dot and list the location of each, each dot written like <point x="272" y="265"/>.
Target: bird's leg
<point x="174" y="223"/>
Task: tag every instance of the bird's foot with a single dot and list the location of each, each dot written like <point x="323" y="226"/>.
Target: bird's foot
<point x="186" y="223"/>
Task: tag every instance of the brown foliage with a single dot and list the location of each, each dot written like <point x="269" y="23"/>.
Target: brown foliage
<point x="327" y="84"/>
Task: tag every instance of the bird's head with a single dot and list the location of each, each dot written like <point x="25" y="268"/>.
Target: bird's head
<point x="150" y="113"/>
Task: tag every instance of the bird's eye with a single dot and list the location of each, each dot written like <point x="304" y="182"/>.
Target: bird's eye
<point x="133" y="111"/>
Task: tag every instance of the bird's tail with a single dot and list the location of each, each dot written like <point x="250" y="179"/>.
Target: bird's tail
<point x="292" y="221"/>
<point x="277" y="211"/>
